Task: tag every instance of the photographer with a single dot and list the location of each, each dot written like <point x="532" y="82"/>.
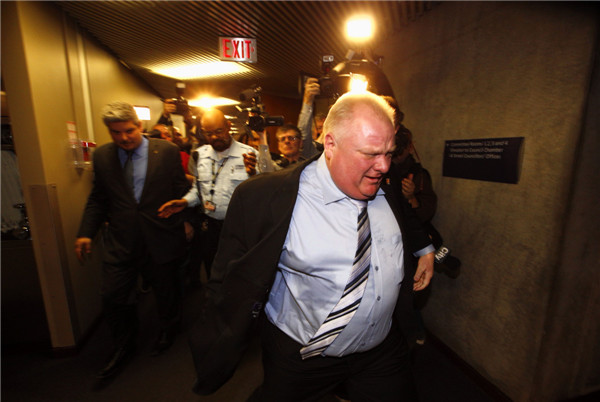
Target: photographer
<point x="178" y="106"/>
<point x="256" y="135"/>
<point x="169" y="106"/>
<point x="310" y="145"/>
<point x="288" y="139"/>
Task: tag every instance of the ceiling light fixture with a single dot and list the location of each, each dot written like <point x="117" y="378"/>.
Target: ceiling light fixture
<point x="207" y="102"/>
<point x="200" y="70"/>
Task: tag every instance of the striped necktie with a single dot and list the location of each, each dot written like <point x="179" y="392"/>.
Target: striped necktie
<point x="342" y="313"/>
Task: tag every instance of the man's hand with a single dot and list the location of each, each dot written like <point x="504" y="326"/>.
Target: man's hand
<point x="189" y="231"/>
<point x="250" y="163"/>
<point x="172" y="207"/>
<point x="83" y="246"/>
<point x="408" y="191"/>
<point x="311" y="89"/>
<point x="408" y="187"/>
<point x="169" y="108"/>
<point x="424" y="272"/>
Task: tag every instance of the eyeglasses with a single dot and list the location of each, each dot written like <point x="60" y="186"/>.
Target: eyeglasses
<point x="218" y="131"/>
<point x="284" y="138"/>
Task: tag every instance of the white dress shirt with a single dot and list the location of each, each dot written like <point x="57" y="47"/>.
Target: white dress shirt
<point x="317" y="259"/>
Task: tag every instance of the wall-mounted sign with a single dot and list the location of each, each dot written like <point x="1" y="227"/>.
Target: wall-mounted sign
<point x="489" y="159"/>
<point x="237" y="49"/>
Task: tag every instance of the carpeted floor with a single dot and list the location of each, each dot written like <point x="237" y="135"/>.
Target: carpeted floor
<point x="35" y="376"/>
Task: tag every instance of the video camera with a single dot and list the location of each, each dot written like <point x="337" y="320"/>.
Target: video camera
<point x="258" y="119"/>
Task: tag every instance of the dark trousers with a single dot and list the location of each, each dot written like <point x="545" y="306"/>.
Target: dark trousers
<point x="119" y="294"/>
<point x="382" y="374"/>
<point x="204" y="245"/>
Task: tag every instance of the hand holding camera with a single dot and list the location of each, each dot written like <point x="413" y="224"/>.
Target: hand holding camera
<point x="250" y="163"/>
<point x="169" y="107"/>
<point x="311" y="90"/>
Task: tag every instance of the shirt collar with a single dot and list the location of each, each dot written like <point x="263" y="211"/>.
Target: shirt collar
<point x="139" y="151"/>
<point x="232" y="151"/>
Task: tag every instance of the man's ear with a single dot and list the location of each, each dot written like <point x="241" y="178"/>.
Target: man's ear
<point x="328" y="145"/>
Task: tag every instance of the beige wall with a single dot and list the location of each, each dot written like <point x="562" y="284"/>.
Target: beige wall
<point x="493" y="69"/>
<point x="46" y="71"/>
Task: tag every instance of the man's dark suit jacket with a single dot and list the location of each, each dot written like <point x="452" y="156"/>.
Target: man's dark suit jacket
<point x="253" y="235"/>
<point x="111" y="200"/>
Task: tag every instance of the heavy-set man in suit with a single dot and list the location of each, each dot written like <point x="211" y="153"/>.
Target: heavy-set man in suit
<point x="133" y="177"/>
<point x="329" y="249"/>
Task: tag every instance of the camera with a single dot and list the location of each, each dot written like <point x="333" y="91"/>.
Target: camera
<point x="258" y="119"/>
<point x="181" y="104"/>
<point x="330" y="84"/>
<point x="326" y="82"/>
<point x="337" y="80"/>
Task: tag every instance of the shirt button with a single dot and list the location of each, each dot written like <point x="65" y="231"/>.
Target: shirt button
<point x="378" y="298"/>
<point x="376" y="268"/>
<point x="372" y="324"/>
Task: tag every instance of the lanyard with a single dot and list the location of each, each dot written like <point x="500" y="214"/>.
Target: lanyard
<point x="215" y="175"/>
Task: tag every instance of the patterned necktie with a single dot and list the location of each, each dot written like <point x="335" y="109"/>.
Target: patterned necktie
<point x="342" y="313"/>
<point x="128" y="169"/>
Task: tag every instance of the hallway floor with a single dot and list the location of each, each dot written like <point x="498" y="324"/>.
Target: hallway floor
<point x="35" y="376"/>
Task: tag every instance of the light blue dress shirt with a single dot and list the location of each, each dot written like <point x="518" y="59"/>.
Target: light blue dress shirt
<point x="317" y="259"/>
<point x="140" y="165"/>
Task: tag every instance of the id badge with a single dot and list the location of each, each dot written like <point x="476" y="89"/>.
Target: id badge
<point x="209" y="206"/>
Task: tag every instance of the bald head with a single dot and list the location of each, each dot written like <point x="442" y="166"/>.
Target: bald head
<point x="216" y="129"/>
<point x="359" y="140"/>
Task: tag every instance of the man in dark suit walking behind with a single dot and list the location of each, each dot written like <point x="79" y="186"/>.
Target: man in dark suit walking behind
<point x="133" y="176"/>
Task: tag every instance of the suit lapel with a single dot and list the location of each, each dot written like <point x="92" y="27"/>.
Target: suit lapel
<point x="393" y="198"/>
<point x="115" y="163"/>
<point x="285" y="198"/>
<point x="390" y="194"/>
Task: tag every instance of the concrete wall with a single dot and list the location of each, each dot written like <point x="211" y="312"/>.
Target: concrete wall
<point x="54" y="74"/>
<point x="471" y="70"/>
<point x="569" y="362"/>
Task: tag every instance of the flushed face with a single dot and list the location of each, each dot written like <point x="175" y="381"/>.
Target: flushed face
<point x="360" y="158"/>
